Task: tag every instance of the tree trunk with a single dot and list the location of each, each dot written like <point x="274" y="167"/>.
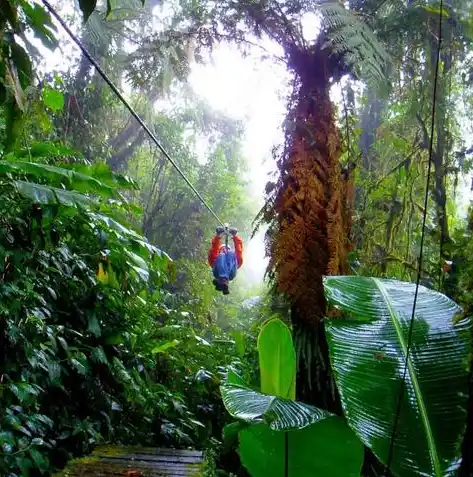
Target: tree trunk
<point x="442" y="146"/>
<point x="440" y="157"/>
<point x="119" y="159"/>
<point x="371" y="120"/>
<point x="310" y="235"/>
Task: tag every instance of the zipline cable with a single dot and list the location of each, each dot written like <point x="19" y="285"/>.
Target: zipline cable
<point x="129" y="107"/>
<point x="421" y="250"/>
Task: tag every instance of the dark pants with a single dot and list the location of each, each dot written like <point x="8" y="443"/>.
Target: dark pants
<point x="225" y="267"/>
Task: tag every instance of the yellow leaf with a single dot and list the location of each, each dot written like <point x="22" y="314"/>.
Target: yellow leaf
<point x="102" y="275"/>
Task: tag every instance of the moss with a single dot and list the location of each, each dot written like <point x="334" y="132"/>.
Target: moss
<point x="92" y="459"/>
<point x="112" y="451"/>
<point x="198" y="472"/>
<point x="70" y="469"/>
<point x="93" y="465"/>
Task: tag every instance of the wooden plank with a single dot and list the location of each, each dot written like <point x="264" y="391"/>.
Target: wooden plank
<point x="146" y="450"/>
<point x="156" y="458"/>
<point x="94" y="472"/>
<point x="150" y="464"/>
<point x="137" y="462"/>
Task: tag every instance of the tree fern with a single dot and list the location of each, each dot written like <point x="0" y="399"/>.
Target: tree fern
<point x="348" y="35"/>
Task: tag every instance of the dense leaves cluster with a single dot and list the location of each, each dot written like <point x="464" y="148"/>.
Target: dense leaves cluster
<point x="104" y="338"/>
<point x="85" y="356"/>
<point x="99" y="342"/>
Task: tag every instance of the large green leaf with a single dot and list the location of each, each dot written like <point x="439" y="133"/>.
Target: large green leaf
<point x="104" y="174"/>
<point x="46" y="150"/>
<point x="230" y="434"/>
<point x="57" y="176"/>
<point x="51" y="195"/>
<point x="253" y="407"/>
<point x="41" y="23"/>
<point x="22" y="64"/>
<point x="326" y="449"/>
<point x="163" y="347"/>
<point x="368" y="352"/>
<point x="277" y="360"/>
<point x="53" y="98"/>
<point x="112" y="224"/>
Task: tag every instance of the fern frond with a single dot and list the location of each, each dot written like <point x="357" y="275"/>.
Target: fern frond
<point x="350" y="36"/>
<point x="95" y="32"/>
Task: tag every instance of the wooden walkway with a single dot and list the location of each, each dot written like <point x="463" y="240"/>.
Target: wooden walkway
<point x="136" y="462"/>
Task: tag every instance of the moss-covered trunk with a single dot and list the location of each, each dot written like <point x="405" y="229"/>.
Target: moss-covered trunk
<point x="312" y="208"/>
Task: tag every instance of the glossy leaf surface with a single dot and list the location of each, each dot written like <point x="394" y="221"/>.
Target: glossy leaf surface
<point x="329" y="449"/>
<point x="57" y="176"/>
<point x="253" y="407"/>
<point x="51" y="195"/>
<point x="368" y="351"/>
<point x="277" y="360"/>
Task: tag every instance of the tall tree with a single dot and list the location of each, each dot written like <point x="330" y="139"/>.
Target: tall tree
<point x="414" y="52"/>
<point x="309" y="208"/>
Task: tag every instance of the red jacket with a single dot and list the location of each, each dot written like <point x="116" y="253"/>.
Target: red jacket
<point x="217" y="245"/>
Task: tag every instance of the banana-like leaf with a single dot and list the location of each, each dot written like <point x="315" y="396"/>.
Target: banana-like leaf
<point x="121" y="230"/>
<point x="137" y="241"/>
<point x="103" y="173"/>
<point x="326" y="449"/>
<point x="277" y="360"/>
<point x="51" y="195"/>
<point x="279" y="414"/>
<point x="368" y="352"/>
<point x="57" y="175"/>
<point x="234" y="378"/>
<point x="163" y="347"/>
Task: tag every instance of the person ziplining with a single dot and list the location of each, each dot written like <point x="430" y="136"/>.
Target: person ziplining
<point x="224" y="261"/>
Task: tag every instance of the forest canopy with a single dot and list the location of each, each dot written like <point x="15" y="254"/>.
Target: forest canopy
<point x="334" y="138"/>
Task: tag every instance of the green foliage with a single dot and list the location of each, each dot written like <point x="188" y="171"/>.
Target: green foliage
<point x="64" y="378"/>
<point x="98" y="340"/>
<point x="277" y="413"/>
<point x="88" y="6"/>
<point x="329" y="448"/>
<point x="173" y="216"/>
<point x="277" y="360"/>
<point x="349" y="34"/>
<point x="53" y="99"/>
<point x="84" y="306"/>
<point x="16" y="67"/>
<point x="57" y="176"/>
<point x="279" y="435"/>
<point x="40" y="22"/>
<point x="368" y="351"/>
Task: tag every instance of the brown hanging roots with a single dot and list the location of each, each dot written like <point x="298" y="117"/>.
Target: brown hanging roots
<point x="311" y="206"/>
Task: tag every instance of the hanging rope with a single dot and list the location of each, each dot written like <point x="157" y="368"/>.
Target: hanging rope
<point x="128" y="106"/>
<point x="419" y="269"/>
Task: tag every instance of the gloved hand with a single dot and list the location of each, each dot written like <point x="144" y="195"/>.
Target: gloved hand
<point x="220" y="230"/>
<point x="233" y="231"/>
